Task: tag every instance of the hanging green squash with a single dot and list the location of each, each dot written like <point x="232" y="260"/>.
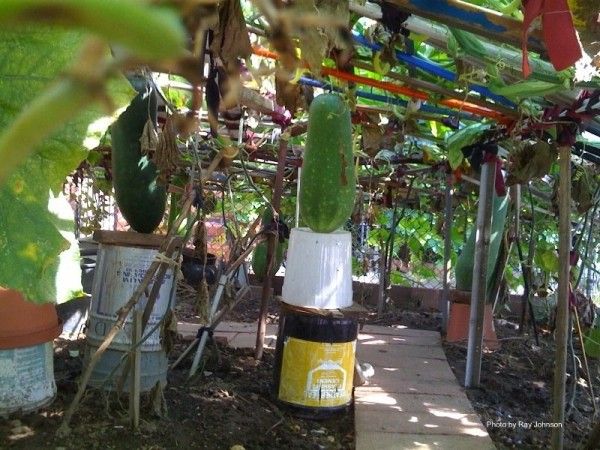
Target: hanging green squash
<point x="139" y="195"/>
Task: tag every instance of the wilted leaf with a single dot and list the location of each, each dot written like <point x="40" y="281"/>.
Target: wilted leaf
<point x="529" y="161"/>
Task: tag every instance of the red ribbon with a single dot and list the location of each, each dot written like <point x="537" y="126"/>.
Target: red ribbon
<point x="560" y="37"/>
<point x="489" y="157"/>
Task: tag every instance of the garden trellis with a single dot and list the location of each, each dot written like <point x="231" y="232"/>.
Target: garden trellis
<point x="437" y="93"/>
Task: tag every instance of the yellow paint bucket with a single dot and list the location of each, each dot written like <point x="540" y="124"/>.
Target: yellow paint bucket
<point x="314" y="362"/>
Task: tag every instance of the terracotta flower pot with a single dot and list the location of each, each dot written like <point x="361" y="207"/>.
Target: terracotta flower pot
<point x="458" y="321"/>
<point x="23" y="324"/>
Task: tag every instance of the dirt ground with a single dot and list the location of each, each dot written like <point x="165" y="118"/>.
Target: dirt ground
<point x="516" y="383"/>
<point x="516" y="379"/>
<point x="517" y="386"/>
<point x="230" y="405"/>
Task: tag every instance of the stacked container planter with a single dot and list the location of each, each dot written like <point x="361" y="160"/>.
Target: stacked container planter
<point x="123" y="259"/>
<point x="460" y="299"/>
<point x="314" y="362"/>
<point x="26" y="353"/>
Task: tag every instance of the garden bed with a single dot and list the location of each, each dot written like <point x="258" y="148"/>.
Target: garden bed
<point x="516" y="388"/>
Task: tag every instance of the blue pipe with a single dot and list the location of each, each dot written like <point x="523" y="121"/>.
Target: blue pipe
<point x="434" y="69"/>
<point x="391" y="100"/>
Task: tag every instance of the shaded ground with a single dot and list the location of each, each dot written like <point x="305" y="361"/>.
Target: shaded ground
<point x="516" y="380"/>
<point x="231" y="405"/>
<point x="247" y="310"/>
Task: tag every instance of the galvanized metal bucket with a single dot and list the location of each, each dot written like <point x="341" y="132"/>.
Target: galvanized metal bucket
<point x="119" y="270"/>
<point x="153" y="369"/>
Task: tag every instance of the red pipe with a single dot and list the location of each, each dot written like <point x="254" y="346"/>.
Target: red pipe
<point x="397" y="89"/>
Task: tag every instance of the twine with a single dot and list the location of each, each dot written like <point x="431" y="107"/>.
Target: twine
<point x="161" y="258"/>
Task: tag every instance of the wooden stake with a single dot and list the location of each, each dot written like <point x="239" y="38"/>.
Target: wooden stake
<point x="479" y="286"/>
<point x="135" y="359"/>
<point x="586" y="366"/>
<point x="271" y="249"/>
<point x="562" y="307"/>
<point x="381" y="285"/>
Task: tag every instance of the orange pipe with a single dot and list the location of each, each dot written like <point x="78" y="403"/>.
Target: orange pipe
<point x="397" y="89"/>
<point x="389" y="87"/>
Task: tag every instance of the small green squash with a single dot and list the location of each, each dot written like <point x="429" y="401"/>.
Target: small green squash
<point x="259" y="256"/>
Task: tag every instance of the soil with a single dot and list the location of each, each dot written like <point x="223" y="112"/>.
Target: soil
<point x="230" y="404"/>
<point x="246" y="310"/>
<point x="516" y="388"/>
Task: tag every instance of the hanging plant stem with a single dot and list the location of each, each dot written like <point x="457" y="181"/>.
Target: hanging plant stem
<point x="589" y="240"/>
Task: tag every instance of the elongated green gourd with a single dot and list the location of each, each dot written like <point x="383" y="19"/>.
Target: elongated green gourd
<point x="141" y="199"/>
<point x="259" y="260"/>
<point x="464" y="263"/>
<point x="328" y="181"/>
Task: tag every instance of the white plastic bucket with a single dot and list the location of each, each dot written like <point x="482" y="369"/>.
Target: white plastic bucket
<point x="26" y="378"/>
<point x="318" y="270"/>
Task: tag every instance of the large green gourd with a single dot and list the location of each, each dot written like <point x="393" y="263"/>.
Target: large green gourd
<point x="465" y="261"/>
<point x="141" y="199"/>
<point x="328" y="181"/>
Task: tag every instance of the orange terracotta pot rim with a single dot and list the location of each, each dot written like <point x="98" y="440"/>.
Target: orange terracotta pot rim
<point x="25" y="324"/>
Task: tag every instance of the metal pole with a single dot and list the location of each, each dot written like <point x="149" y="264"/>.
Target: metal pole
<point x="479" y="286"/>
<point x="297" y="221"/>
<point x="205" y="334"/>
<point x="562" y="306"/>
<point x="445" y="300"/>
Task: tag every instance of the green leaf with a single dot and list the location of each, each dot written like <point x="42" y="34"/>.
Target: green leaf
<point x="547" y="260"/>
<point x="30" y="241"/>
<point x="463" y="137"/>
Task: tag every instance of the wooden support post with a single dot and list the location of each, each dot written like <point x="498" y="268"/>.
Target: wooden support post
<point x="445" y="300"/>
<point x="297" y="218"/>
<point x="479" y="286"/>
<point x="135" y="358"/>
<point x="562" y="301"/>
<point x="272" y="243"/>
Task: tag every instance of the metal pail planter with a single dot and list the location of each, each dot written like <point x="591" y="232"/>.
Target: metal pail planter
<point x="123" y="259"/>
